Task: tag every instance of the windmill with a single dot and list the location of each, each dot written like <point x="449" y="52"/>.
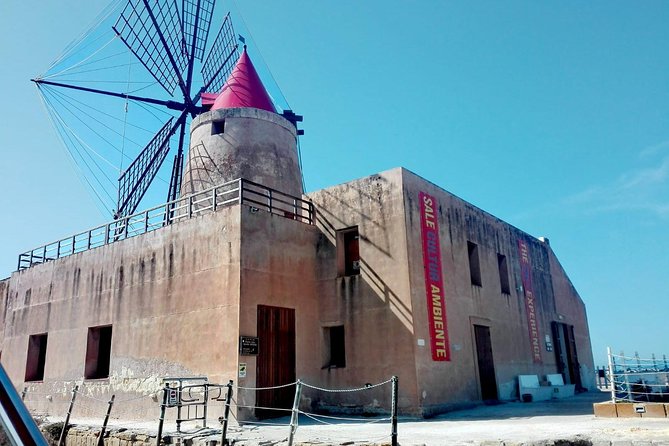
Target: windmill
<point x="169" y="41"/>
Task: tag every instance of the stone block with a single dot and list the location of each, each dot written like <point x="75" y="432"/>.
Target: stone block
<point x="654" y="410"/>
<point x="626" y="410"/>
<point x="605" y="410"/>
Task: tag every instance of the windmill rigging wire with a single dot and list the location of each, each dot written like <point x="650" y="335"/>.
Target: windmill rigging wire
<point x="151" y="84"/>
<point x="125" y="124"/>
<point x="100" y="18"/>
<point x="81" y="140"/>
<point x="151" y="132"/>
<point x="85" y="58"/>
<point x="80" y="65"/>
<point x="72" y="161"/>
<point x="73" y="144"/>
<point x="234" y="2"/>
<point x="66" y="98"/>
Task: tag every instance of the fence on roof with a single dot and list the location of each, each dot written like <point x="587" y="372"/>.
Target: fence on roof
<point x="234" y="192"/>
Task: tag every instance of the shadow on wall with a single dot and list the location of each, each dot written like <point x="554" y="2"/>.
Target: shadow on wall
<point x="202" y="170"/>
<point x="367" y="224"/>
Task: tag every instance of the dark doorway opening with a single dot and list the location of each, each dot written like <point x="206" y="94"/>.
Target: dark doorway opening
<point x="485" y="362"/>
<point x="276" y="360"/>
<point x="565" y="354"/>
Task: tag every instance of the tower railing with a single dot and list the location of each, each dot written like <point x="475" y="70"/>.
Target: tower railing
<point x="240" y="191"/>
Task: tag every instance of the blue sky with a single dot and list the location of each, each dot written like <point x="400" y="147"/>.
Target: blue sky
<point x="553" y="116"/>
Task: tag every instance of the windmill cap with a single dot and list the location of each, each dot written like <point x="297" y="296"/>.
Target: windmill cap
<point x="244" y="88"/>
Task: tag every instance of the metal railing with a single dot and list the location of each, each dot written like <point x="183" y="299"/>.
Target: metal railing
<point x="239" y="191"/>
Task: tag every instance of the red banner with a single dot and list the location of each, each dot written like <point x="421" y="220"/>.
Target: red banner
<point x="434" y="287"/>
<point x="530" y="307"/>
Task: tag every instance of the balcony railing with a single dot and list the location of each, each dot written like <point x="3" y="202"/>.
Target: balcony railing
<point x="239" y="191"/>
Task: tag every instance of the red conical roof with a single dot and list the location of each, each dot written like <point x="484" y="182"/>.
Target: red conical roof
<point x="244" y="88"/>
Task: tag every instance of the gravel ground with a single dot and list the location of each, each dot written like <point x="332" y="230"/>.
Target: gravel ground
<point x="556" y="422"/>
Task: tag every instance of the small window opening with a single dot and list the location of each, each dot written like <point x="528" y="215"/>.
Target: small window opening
<point x="474" y="265"/>
<point x="503" y="274"/>
<point x="218" y="127"/>
<point x="334" y="338"/>
<point x="36" y="357"/>
<point x="98" y="352"/>
<point x="348" y="252"/>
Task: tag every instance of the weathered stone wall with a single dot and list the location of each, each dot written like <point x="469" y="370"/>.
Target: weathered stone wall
<point x="277" y="269"/>
<point x="467" y="304"/>
<point x="375" y="307"/>
<point x="171" y="296"/>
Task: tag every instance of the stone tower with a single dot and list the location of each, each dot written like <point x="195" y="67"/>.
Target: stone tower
<point x="242" y="136"/>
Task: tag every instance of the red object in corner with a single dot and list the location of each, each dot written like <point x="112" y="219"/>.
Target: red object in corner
<point x="244" y="88"/>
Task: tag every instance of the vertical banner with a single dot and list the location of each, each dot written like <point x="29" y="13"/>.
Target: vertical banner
<point x="530" y="307"/>
<point x="434" y="287"/>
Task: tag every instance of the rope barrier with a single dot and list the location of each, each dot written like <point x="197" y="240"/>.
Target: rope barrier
<point x="266" y="388"/>
<point x="316" y="417"/>
<point x="358" y="389"/>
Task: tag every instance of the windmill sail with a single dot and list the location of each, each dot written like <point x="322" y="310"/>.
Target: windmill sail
<point x="196" y="21"/>
<point x="135" y="180"/>
<point x="155" y="36"/>
<point x="221" y="58"/>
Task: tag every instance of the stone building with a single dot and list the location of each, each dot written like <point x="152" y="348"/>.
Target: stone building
<point x="385" y="275"/>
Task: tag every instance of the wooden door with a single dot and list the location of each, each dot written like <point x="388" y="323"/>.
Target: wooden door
<point x="566" y="355"/>
<point x="572" y="357"/>
<point x="485" y="362"/>
<point x="276" y="360"/>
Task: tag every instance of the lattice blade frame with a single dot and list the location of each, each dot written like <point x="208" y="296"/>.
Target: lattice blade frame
<point x="189" y="12"/>
<point x="135" y="26"/>
<point x="135" y="180"/>
<point x="221" y="58"/>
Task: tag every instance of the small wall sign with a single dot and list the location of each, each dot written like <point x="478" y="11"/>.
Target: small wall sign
<point x="172" y="397"/>
<point x="248" y="345"/>
<point x="242" y="370"/>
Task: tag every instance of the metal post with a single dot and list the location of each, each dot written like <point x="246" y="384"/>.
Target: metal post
<point x="58" y="250"/>
<point x="240" y="188"/>
<point x="146" y="221"/>
<point x="107" y="233"/>
<point x="74" y="243"/>
<point x="611" y="375"/>
<point x="61" y="440"/>
<point x="213" y="200"/>
<point x="179" y="395"/>
<point x="161" y="420"/>
<point x="295" y="413"/>
<point x="226" y="415"/>
<point x="190" y="206"/>
<point x="101" y="441"/>
<point x="393" y="432"/>
<point x="206" y="401"/>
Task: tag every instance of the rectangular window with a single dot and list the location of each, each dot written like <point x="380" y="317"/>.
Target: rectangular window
<point x="474" y="265"/>
<point x="334" y="338"/>
<point x="218" y="127"/>
<point x="98" y="352"/>
<point x="348" y="252"/>
<point x="503" y="274"/>
<point x="36" y="357"/>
